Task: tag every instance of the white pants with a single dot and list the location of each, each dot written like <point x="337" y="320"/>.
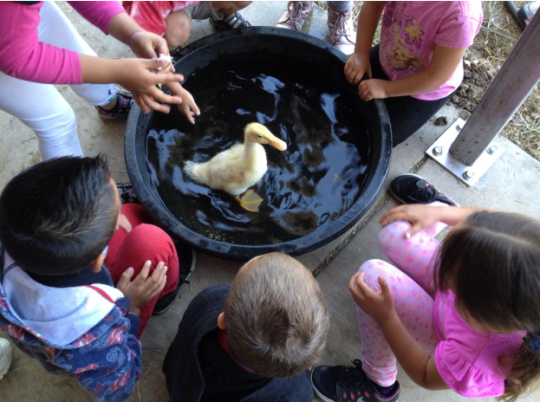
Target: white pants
<point x="40" y="106"/>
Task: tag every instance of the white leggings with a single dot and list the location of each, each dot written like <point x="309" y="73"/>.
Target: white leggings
<point x="40" y="106"/>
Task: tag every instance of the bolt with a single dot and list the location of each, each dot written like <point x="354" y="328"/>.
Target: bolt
<point x="492" y="149"/>
<point x="468" y="174"/>
<point x="437" y="151"/>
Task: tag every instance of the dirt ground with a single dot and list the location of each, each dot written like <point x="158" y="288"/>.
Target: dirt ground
<point x="482" y="61"/>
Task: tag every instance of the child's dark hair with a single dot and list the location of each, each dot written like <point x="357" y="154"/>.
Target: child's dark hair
<point x="57" y="216"/>
<point x="492" y="262"/>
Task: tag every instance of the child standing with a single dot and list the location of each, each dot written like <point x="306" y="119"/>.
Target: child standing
<point x="464" y="314"/>
<point x="419" y="62"/>
<point x="252" y="341"/>
<point x="79" y="276"/>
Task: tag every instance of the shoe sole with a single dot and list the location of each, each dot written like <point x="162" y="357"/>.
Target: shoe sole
<point x="418" y="177"/>
<point x="324" y="398"/>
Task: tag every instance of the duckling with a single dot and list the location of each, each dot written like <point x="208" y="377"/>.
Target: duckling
<point x="239" y="167"/>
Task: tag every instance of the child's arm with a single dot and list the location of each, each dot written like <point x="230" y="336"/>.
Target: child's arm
<point x="444" y="62"/>
<point x="358" y="63"/>
<point x="415" y="360"/>
<point x="422" y="216"/>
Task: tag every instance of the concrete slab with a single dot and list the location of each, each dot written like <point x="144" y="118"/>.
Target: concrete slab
<point x="510" y="185"/>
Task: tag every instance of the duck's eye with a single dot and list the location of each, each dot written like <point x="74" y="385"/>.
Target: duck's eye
<point x="260" y="136"/>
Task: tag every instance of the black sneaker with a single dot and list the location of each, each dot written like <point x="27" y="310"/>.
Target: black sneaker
<point x="121" y="110"/>
<point x="233" y="21"/>
<point x="344" y="384"/>
<point x="187" y="259"/>
<point x="409" y="188"/>
<point x="127" y="194"/>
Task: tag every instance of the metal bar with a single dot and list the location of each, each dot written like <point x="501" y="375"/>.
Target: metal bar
<point x="516" y="79"/>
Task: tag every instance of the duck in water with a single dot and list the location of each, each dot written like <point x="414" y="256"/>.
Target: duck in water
<point x="239" y="167"/>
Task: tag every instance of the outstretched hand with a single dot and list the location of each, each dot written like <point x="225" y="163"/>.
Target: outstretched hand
<point x="420" y="216"/>
<point x="139" y="78"/>
<point x="188" y="107"/>
<point x="144" y="287"/>
<point x="379" y="305"/>
<point x="148" y="45"/>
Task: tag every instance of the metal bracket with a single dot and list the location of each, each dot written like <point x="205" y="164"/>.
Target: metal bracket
<point x="440" y="152"/>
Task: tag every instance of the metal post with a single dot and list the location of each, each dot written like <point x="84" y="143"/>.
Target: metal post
<point x="516" y="79"/>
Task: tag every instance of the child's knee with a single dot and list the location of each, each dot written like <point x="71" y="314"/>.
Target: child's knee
<point x="392" y="234"/>
<point x="178" y="28"/>
<point x="372" y="269"/>
<point x="239" y="5"/>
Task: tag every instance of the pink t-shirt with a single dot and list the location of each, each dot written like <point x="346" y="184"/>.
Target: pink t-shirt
<point x="467" y="358"/>
<point x="23" y="56"/>
<point x="411" y="29"/>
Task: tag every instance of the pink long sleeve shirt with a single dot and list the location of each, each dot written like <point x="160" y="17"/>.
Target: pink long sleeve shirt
<point x="23" y="56"/>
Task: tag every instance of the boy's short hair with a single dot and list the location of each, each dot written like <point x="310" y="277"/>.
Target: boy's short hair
<point x="276" y="316"/>
<point x="58" y="215"/>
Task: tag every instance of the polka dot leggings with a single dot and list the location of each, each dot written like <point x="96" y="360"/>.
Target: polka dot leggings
<point x="413" y="289"/>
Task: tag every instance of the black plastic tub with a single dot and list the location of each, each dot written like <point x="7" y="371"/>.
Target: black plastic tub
<point x="262" y="43"/>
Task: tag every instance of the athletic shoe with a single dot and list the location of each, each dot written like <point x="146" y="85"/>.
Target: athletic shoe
<point x="188" y="259"/>
<point x="296" y="15"/>
<point x="121" y="110"/>
<point x="349" y="384"/>
<point x="341" y="30"/>
<point x="5" y="356"/>
<point x="409" y="188"/>
<point x="127" y="194"/>
<point x="233" y="21"/>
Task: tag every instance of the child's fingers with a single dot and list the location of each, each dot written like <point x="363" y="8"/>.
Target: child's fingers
<point x="385" y="289"/>
<point x="143" y="275"/>
<point x="159" y="96"/>
<point x="358" y="76"/>
<point x="417" y="227"/>
<point x="138" y="98"/>
<point x="148" y="100"/>
<point x="125" y="278"/>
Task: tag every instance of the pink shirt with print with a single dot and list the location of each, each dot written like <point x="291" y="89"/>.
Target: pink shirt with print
<point x="410" y="31"/>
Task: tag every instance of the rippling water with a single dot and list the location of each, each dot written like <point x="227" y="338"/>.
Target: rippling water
<point x="313" y="182"/>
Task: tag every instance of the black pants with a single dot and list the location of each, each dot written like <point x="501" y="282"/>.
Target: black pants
<point x="407" y="114"/>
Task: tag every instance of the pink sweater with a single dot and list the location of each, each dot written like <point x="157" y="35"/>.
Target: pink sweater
<point x="23" y="56"/>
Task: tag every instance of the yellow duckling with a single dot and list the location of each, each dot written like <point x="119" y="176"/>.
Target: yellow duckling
<point x="239" y="167"/>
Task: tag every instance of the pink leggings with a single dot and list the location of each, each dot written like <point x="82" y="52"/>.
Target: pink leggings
<point x="413" y="289"/>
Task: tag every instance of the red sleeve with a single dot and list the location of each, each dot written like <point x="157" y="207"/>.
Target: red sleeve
<point x="98" y="13"/>
<point x="23" y="56"/>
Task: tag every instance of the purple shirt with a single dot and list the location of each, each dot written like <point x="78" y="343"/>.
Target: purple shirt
<point x="23" y="56"/>
<point x="411" y="29"/>
<point x="467" y="358"/>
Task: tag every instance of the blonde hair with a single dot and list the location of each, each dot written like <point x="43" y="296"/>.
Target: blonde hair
<point x="277" y="319"/>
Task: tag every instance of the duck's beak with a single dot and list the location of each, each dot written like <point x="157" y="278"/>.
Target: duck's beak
<point x="277" y="143"/>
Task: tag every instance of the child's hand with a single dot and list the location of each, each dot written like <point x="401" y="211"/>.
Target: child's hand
<point x="137" y="77"/>
<point x="420" y="216"/>
<point x="379" y="305"/>
<point x="123" y="223"/>
<point x="373" y="89"/>
<point x="188" y="107"/>
<point x="143" y="288"/>
<point x="148" y="45"/>
<point x="357" y="65"/>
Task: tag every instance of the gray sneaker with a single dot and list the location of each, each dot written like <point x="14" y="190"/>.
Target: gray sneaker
<point x="341" y="30"/>
<point x="296" y="15"/>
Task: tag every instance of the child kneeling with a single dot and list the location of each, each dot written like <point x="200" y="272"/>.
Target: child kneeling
<point x="252" y="341"/>
<point x="58" y="301"/>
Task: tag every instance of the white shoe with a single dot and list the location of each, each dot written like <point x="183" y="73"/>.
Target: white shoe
<point x="5" y="356"/>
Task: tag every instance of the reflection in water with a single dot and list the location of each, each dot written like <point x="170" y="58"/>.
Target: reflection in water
<point x="307" y="186"/>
